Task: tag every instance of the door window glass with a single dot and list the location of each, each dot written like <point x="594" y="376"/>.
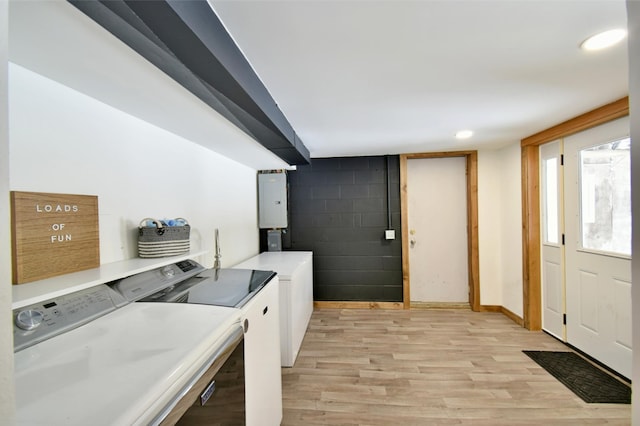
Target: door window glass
<point x="605" y="183"/>
<point x="550" y="200"/>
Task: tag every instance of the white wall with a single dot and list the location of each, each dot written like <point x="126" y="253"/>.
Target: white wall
<point x="7" y="410"/>
<point x="511" y="228"/>
<point x="633" y="16"/>
<point x="500" y="227"/>
<point x="91" y="116"/>
<point x="63" y="141"/>
<point x="489" y="235"/>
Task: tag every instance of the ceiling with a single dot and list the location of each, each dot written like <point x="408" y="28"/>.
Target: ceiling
<point x="387" y="77"/>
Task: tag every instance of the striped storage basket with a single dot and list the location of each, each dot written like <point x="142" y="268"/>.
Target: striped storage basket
<point x="160" y="240"/>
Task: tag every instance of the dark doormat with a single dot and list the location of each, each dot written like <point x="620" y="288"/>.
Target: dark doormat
<point x="582" y="378"/>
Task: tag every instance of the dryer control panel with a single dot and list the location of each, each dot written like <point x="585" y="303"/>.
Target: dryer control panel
<point x="144" y="284"/>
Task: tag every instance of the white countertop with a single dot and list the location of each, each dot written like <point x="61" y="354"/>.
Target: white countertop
<point x="120" y="369"/>
<point x="283" y="262"/>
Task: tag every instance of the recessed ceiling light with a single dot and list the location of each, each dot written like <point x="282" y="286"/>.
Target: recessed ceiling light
<point x="604" y="39"/>
<point x="464" y="134"/>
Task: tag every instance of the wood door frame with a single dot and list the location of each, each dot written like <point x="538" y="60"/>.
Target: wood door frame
<point x="531" y="244"/>
<point x="472" y="222"/>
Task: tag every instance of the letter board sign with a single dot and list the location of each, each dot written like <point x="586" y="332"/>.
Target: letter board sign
<point x="53" y="234"/>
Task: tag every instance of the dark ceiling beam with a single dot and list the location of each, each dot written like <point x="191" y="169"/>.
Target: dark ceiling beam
<point x="187" y="41"/>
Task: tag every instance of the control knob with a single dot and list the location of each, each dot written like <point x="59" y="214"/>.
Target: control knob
<point x="29" y="319"/>
<point x="168" y="272"/>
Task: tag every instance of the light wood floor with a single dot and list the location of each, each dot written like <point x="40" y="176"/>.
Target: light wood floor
<point x="437" y="367"/>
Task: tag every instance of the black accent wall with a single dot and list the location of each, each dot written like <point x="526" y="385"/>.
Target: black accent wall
<point x="338" y="209"/>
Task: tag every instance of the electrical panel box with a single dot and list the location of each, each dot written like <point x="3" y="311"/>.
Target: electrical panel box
<point x="272" y="200"/>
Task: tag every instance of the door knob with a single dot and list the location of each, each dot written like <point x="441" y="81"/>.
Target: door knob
<point x="413" y="242"/>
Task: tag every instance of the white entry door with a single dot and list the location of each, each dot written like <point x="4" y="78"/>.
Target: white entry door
<point x="598" y="243"/>
<point x="552" y="250"/>
<point x="437" y="219"/>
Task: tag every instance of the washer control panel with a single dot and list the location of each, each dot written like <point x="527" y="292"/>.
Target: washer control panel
<point x="41" y="321"/>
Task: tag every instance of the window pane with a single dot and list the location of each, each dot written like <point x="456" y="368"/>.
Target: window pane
<point x="550" y="200"/>
<point x="605" y="175"/>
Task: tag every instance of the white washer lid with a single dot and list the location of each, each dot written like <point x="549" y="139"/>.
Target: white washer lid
<point x="122" y="368"/>
<point x="284" y="263"/>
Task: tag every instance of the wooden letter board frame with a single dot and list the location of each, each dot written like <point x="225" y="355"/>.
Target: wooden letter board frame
<point x="53" y="234"/>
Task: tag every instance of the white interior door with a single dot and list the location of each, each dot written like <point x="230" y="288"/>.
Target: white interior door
<point x="437" y="219"/>
<point x="552" y="250"/>
<point x="598" y="243"/>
